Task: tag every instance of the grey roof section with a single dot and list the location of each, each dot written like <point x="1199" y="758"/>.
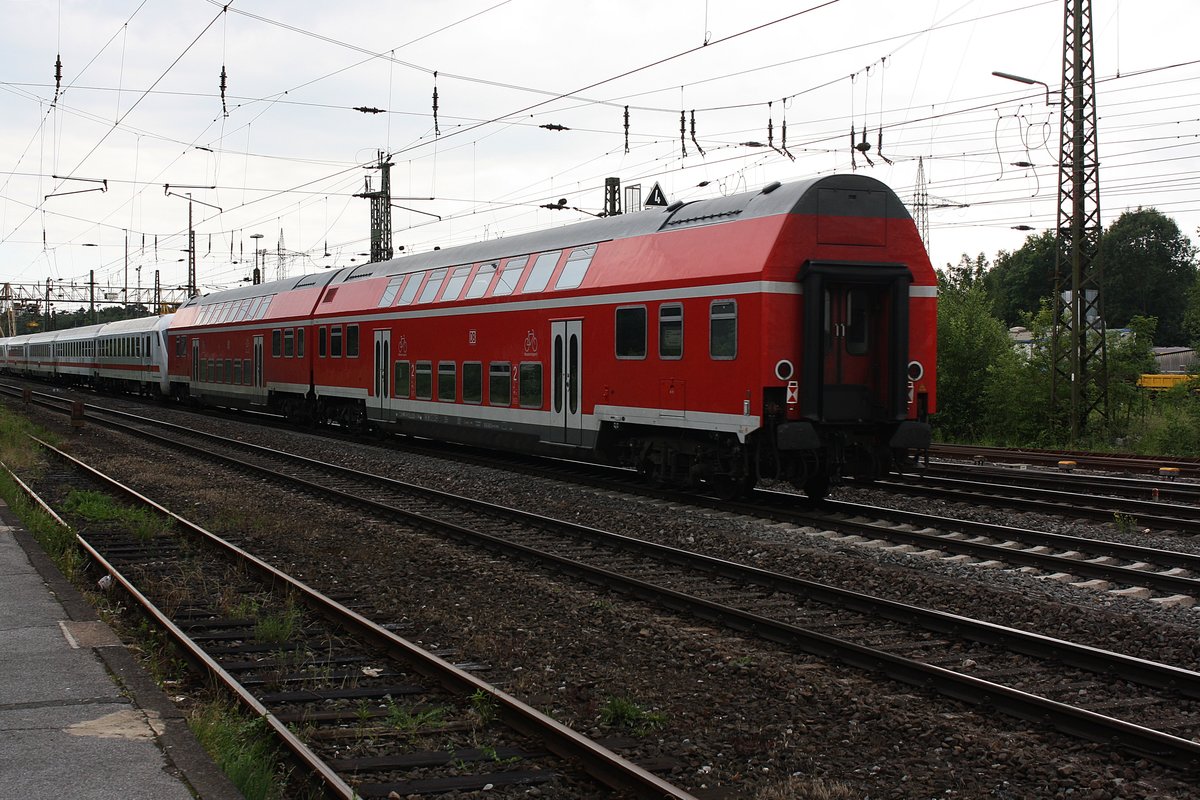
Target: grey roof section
<point x="263" y="289"/>
<point x="831" y="194"/>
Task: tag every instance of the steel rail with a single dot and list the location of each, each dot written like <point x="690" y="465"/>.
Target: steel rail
<point x="1052" y="502"/>
<point x="1120" y="461"/>
<point x="1085" y="658"/>
<point x="600" y="762"/>
<point x="1096" y="727"/>
<point x="1107" y="485"/>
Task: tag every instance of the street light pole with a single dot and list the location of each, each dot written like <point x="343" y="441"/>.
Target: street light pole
<point x="257" y="272"/>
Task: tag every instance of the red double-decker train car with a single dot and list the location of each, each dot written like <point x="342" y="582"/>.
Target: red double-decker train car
<point x="787" y="333"/>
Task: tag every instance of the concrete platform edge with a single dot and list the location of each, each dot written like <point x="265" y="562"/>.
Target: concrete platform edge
<point x="175" y="739"/>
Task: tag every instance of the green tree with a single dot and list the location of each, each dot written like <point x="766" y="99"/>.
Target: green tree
<point x="1149" y="269"/>
<point x="1128" y="356"/>
<point x="966" y="274"/>
<point x="1021" y="280"/>
<point x="970" y="342"/>
<point x="1016" y="390"/>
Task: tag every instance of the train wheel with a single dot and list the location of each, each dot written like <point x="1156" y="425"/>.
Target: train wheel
<point x="817" y="487"/>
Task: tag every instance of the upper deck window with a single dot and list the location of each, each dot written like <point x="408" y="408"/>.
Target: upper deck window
<point x="454" y="286"/>
<point x="540" y="274"/>
<point x="432" y="285"/>
<point x="410" y="289"/>
<point x="510" y="276"/>
<point x="392" y="289"/>
<point x="483" y="279"/>
<point x="263" y="306"/>
<point x="576" y="267"/>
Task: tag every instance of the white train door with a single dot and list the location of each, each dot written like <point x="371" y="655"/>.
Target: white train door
<point x="566" y="365"/>
<point x="383" y="372"/>
<point x="259" y="384"/>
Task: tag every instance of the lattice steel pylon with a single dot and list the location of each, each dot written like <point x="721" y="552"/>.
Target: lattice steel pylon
<point x="920" y="203"/>
<point x="1078" y="300"/>
<point x="381" y="211"/>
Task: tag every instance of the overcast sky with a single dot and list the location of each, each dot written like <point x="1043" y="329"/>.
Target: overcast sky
<point x="140" y="106"/>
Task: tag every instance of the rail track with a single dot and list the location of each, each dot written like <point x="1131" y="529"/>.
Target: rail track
<point x="960" y="657"/>
<point x="364" y="711"/>
<point x="1116" y="462"/>
<point x="1140" y="571"/>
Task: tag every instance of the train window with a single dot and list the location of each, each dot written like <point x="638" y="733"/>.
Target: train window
<point x="263" y="306"/>
<point x="211" y="371"/>
<point x="483" y="279"/>
<point x="229" y="371"/>
<point x="529" y="385"/>
<point x="392" y="289"/>
<point x="300" y="342"/>
<point x="510" y="276"/>
<point x="454" y="286"/>
<point x="432" y="285"/>
<point x="473" y="382"/>
<point x="576" y="267"/>
<point x="540" y="274"/>
<point x="500" y="383"/>
<point x="447" y="381"/>
<point x="670" y="331"/>
<point x="289" y="342"/>
<point x="402" y="379"/>
<point x="631" y="332"/>
<point x="722" y="329"/>
<point x="219" y="373"/>
<point x="242" y="310"/>
<point x="351" y="341"/>
<point x="237" y="370"/>
<point x="321" y="336"/>
<point x="276" y="343"/>
<point x="252" y="312"/>
<point x="335" y="341"/>
<point x="424" y="380"/>
<point x="410" y="290"/>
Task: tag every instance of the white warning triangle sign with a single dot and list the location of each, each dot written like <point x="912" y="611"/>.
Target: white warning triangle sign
<point x="656" y="197"/>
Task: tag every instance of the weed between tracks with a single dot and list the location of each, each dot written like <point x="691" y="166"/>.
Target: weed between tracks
<point x="99" y="507"/>
<point x="625" y="713"/>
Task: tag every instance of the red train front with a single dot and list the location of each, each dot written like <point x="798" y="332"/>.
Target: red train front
<point x="783" y="334"/>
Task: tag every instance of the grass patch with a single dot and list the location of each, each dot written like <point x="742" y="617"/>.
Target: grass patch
<point x="796" y="788"/>
<point x="279" y="627"/>
<point x="16" y="449"/>
<point x="622" y="712"/>
<point x="58" y="542"/>
<point x="242" y="747"/>
<point x="99" y="507"/>
<point x="484" y="705"/>
<point x="411" y="720"/>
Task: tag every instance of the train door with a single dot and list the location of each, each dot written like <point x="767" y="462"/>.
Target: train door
<point x="195" y="361"/>
<point x="259" y="384"/>
<point x="383" y="373"/>
<point x="566" y="357"/>
<point x="856" y="327"/>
